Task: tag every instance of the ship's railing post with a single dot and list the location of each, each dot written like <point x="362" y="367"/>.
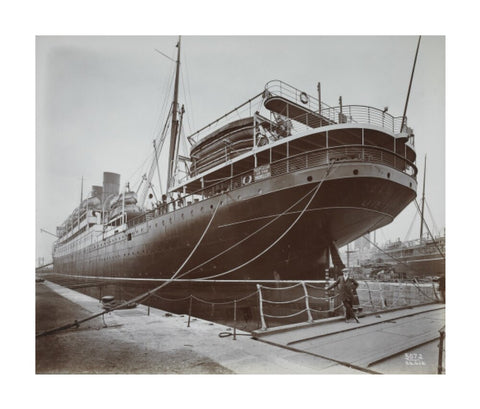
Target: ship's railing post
<point x="288" y="157"/>
<point x="234" y="320"/>
<point x="307" y="304"/>
<point x="326" y="146"/>
<point x="260" y="302"/>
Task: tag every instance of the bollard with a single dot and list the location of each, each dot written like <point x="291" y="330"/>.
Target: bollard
<point x="440" y="351"/>
<point x="189" y="311"/>
<point x="234" y="320"/>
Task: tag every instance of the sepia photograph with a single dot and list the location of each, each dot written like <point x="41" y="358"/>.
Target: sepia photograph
<point x="213" y="204"/>
<point x="240" y="204"/>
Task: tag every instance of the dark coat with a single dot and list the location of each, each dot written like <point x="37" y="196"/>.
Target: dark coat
<point x="346" y="288"/>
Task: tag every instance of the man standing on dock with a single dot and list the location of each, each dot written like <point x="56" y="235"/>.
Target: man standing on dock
<point x="346" y="287"/>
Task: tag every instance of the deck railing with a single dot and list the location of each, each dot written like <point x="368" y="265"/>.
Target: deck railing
<point x="306" y="160"/>
<point x="360" y="114"/>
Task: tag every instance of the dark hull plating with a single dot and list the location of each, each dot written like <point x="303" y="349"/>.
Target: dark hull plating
<point x="344" y="208"/>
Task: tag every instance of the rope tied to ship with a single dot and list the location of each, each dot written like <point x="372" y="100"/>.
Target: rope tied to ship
<point x="141" y="297"/>
<point x="280" y="288"/>
<point x="246" y="238"/>
<point x="315" y="191"/>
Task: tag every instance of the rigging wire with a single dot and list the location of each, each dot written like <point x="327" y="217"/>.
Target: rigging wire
<point x="410" y="228"/>
<point x="187" y="92"/>
<point x="430" y="233"/>
<point x="140" y="168"/>
<point x="165" y="91"/>
<point x="435" y="227"/>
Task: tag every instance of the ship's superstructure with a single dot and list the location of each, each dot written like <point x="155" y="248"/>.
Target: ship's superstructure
<point x="270" y="190"/>
<point x="405" y="259"/>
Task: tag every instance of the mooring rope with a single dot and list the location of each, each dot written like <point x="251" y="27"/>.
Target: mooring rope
<point x="148" y="294"/>
<point x="318" y="298"/>
<point x="314" y="286"/>
<point x="280" y="288"/>
<point x="249" y="236"/>
<point x="286" y="316"/>
<point x="141" y="297"/>
<point x="280" y="237"/>
<point x="283" y="302"/>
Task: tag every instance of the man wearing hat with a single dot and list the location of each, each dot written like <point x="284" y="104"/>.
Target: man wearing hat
<point x="347" y="288"/>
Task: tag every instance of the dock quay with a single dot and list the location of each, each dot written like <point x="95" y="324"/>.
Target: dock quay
<point x="147" y="340"/>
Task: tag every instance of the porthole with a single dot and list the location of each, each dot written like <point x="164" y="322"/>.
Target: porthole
<point x="388" y="175"/>
<point x="410" y="184"/>
<point x="309" y="178"/>
<point x="355" y="171"/>
<point x="211" y="206"/>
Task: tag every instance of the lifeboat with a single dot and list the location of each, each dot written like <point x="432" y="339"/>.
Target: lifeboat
<point x="91" y="203"/>
<point x="223" y="144"/>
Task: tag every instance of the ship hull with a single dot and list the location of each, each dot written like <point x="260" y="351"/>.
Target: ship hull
<point x="417" y="266"/>
<point x="276" y="228"/>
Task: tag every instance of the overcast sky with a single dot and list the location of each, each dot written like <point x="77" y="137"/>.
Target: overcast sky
<point x="101" y="101"/>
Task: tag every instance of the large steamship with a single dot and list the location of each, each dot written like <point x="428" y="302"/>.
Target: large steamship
<point x="269" y="196"/>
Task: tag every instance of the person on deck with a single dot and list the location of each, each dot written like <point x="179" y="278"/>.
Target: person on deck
<point x="347" y="288"/>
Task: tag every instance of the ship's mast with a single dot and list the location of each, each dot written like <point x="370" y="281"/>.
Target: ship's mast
<point x="174" y="130"/>
<point x="410" y="86"/>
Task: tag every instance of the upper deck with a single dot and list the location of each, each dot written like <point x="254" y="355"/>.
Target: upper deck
<point x="279" y="131"/>
<point x="289" y="122"/>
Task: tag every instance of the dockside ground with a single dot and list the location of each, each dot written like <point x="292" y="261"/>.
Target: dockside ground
<point x="151" y="341"/>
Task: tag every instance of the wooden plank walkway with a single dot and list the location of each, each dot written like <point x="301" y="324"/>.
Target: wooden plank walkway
<point x="376" y="338"/>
